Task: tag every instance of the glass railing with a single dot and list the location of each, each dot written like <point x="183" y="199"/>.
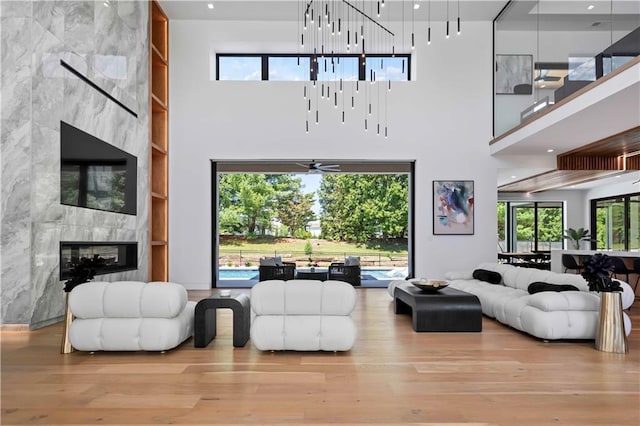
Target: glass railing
<point x="547" y="50"/>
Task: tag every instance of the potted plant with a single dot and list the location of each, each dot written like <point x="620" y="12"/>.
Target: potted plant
<point x="610" y="335"/>
<point x="82" y="270"/>
<point x="576" y="235"/>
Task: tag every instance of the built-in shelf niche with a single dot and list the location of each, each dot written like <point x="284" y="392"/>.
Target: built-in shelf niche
<point x="159" y="175"/>
<point x="159" y="144"/>
<point x="159" y="224"/>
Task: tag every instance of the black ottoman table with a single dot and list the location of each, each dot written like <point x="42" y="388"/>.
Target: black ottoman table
<point x="447" y="309"/>
<point x="205" y="318"/>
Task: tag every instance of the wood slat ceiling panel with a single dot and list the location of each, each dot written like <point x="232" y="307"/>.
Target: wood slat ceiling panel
<point x="575" y="162"/>
<point x="594" y="161"/>
<point x="622" y="143"/>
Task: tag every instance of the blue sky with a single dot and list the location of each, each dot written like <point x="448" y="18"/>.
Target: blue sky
<point x="311" y="183"/>
<point x="287" y="69"/>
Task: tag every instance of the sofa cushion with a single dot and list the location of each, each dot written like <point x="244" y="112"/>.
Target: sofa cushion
<point x="549" y="301"/>
<point x="459" y="275"/>
<point x="538" y="287"/>
<point x="271" y="261"/>
<point x="303" y="297"/>
<point x="127" y="299"/>
<point x="488" y="276"/>
<point x="303" y="332"/>
<point x="352" y="261"/>
<point x="132" y="334"/>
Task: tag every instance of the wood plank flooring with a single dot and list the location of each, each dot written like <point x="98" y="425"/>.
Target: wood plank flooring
<point x="392" y="376"/>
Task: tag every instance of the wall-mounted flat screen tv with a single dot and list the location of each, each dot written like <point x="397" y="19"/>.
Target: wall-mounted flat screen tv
<point x="95" y="174"/>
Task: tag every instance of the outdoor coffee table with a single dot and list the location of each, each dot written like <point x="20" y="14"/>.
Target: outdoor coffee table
<point x="320" y="275"/>
<point x="447" y="309"/>
<point x="205" y="318"/>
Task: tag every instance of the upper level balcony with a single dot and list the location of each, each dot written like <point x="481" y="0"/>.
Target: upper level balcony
<point x="567" y="93"/>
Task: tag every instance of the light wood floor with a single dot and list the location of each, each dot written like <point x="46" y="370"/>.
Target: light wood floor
<point x="392" y="376"/>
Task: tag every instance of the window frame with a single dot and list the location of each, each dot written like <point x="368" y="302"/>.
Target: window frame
<point x="509" y="221"/>
<point x="626" y="199"/>
<point x="313" y="71"/>
<point x="215" y="211"/>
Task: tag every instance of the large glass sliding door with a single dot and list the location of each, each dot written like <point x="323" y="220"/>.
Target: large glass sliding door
<point x="634" y="222"/>
<point x="616" y="222"/>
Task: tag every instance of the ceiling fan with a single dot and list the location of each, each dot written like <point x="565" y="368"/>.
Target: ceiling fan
<point x="316" y="167"/>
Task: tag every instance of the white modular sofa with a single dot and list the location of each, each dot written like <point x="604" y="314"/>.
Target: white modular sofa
<point x="546" y="315"/>
<point x="129" y="316"/>
<point x="303" y="315"/>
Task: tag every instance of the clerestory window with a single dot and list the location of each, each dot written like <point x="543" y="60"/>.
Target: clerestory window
<point x="305" y="67"/>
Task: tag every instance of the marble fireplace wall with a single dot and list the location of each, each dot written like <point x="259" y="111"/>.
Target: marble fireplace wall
<point x="109" y="46"/>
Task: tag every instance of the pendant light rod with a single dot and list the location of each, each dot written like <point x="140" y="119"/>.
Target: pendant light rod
<point x="458" y="17"/>
<point x="357" y="10"/>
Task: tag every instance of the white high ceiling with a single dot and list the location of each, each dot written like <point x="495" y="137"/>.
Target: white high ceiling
<point x="555" y="14"/>
<point x="288" y="10"/>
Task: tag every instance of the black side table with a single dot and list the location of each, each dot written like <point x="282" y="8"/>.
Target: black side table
<point x="205" y="318"/>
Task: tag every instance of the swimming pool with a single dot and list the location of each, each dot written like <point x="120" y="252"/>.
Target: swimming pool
<point x="252" y="273"/>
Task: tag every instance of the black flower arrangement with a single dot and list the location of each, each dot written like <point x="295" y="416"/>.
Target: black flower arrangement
<point x="596" y="271"/>
<point x="82" y="270"/>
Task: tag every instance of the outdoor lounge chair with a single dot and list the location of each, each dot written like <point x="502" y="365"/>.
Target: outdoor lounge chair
<point x="340" y="272"/>
<point x="285" y="271"/>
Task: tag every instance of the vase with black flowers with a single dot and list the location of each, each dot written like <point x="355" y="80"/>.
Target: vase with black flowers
<point x="81" y="270"/>
<point x="610" y="334"/>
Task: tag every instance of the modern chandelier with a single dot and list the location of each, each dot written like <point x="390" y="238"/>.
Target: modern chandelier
<point x="332" y="33"/>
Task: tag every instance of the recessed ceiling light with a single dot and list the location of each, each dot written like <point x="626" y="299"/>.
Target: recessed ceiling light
<point x="590" y="7"/>
<point x="210" y="5"/>
<point x="513" y="177"/>
<point x="619" y="176"/>
<point x="416" y="6"/>
<point x="550" y="150"/>
<point x="572" y="186"/>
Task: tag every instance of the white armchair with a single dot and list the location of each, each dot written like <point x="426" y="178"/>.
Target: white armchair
<point x="303" y="315"/>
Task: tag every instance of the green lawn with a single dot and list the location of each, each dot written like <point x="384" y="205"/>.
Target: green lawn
<point x="323" y="251"/>
<point x="298" y="245"/>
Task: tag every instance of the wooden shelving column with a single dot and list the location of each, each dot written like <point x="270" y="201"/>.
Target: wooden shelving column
<point x="158" y="166"/>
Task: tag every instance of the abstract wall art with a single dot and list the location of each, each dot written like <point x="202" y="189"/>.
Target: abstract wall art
<point x="453" y="206"/>
<point x="514" y="74"/>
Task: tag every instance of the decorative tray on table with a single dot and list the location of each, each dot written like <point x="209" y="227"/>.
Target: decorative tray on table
<point x="430" y="285"/>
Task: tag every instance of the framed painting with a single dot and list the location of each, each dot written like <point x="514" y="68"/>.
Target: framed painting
<point x="514" y="74"/>
<point x="453" y="207"/>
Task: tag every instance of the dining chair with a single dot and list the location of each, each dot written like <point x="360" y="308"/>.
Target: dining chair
<point x="569" y="262"/>
<point x="620" y="268"/>
<point x="636" y="270"/>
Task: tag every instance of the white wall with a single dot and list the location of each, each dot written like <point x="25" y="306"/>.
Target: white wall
<point x="442" y="120"/>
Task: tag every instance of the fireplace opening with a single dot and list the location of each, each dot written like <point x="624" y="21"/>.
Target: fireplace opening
<point x="118" y="256"/>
